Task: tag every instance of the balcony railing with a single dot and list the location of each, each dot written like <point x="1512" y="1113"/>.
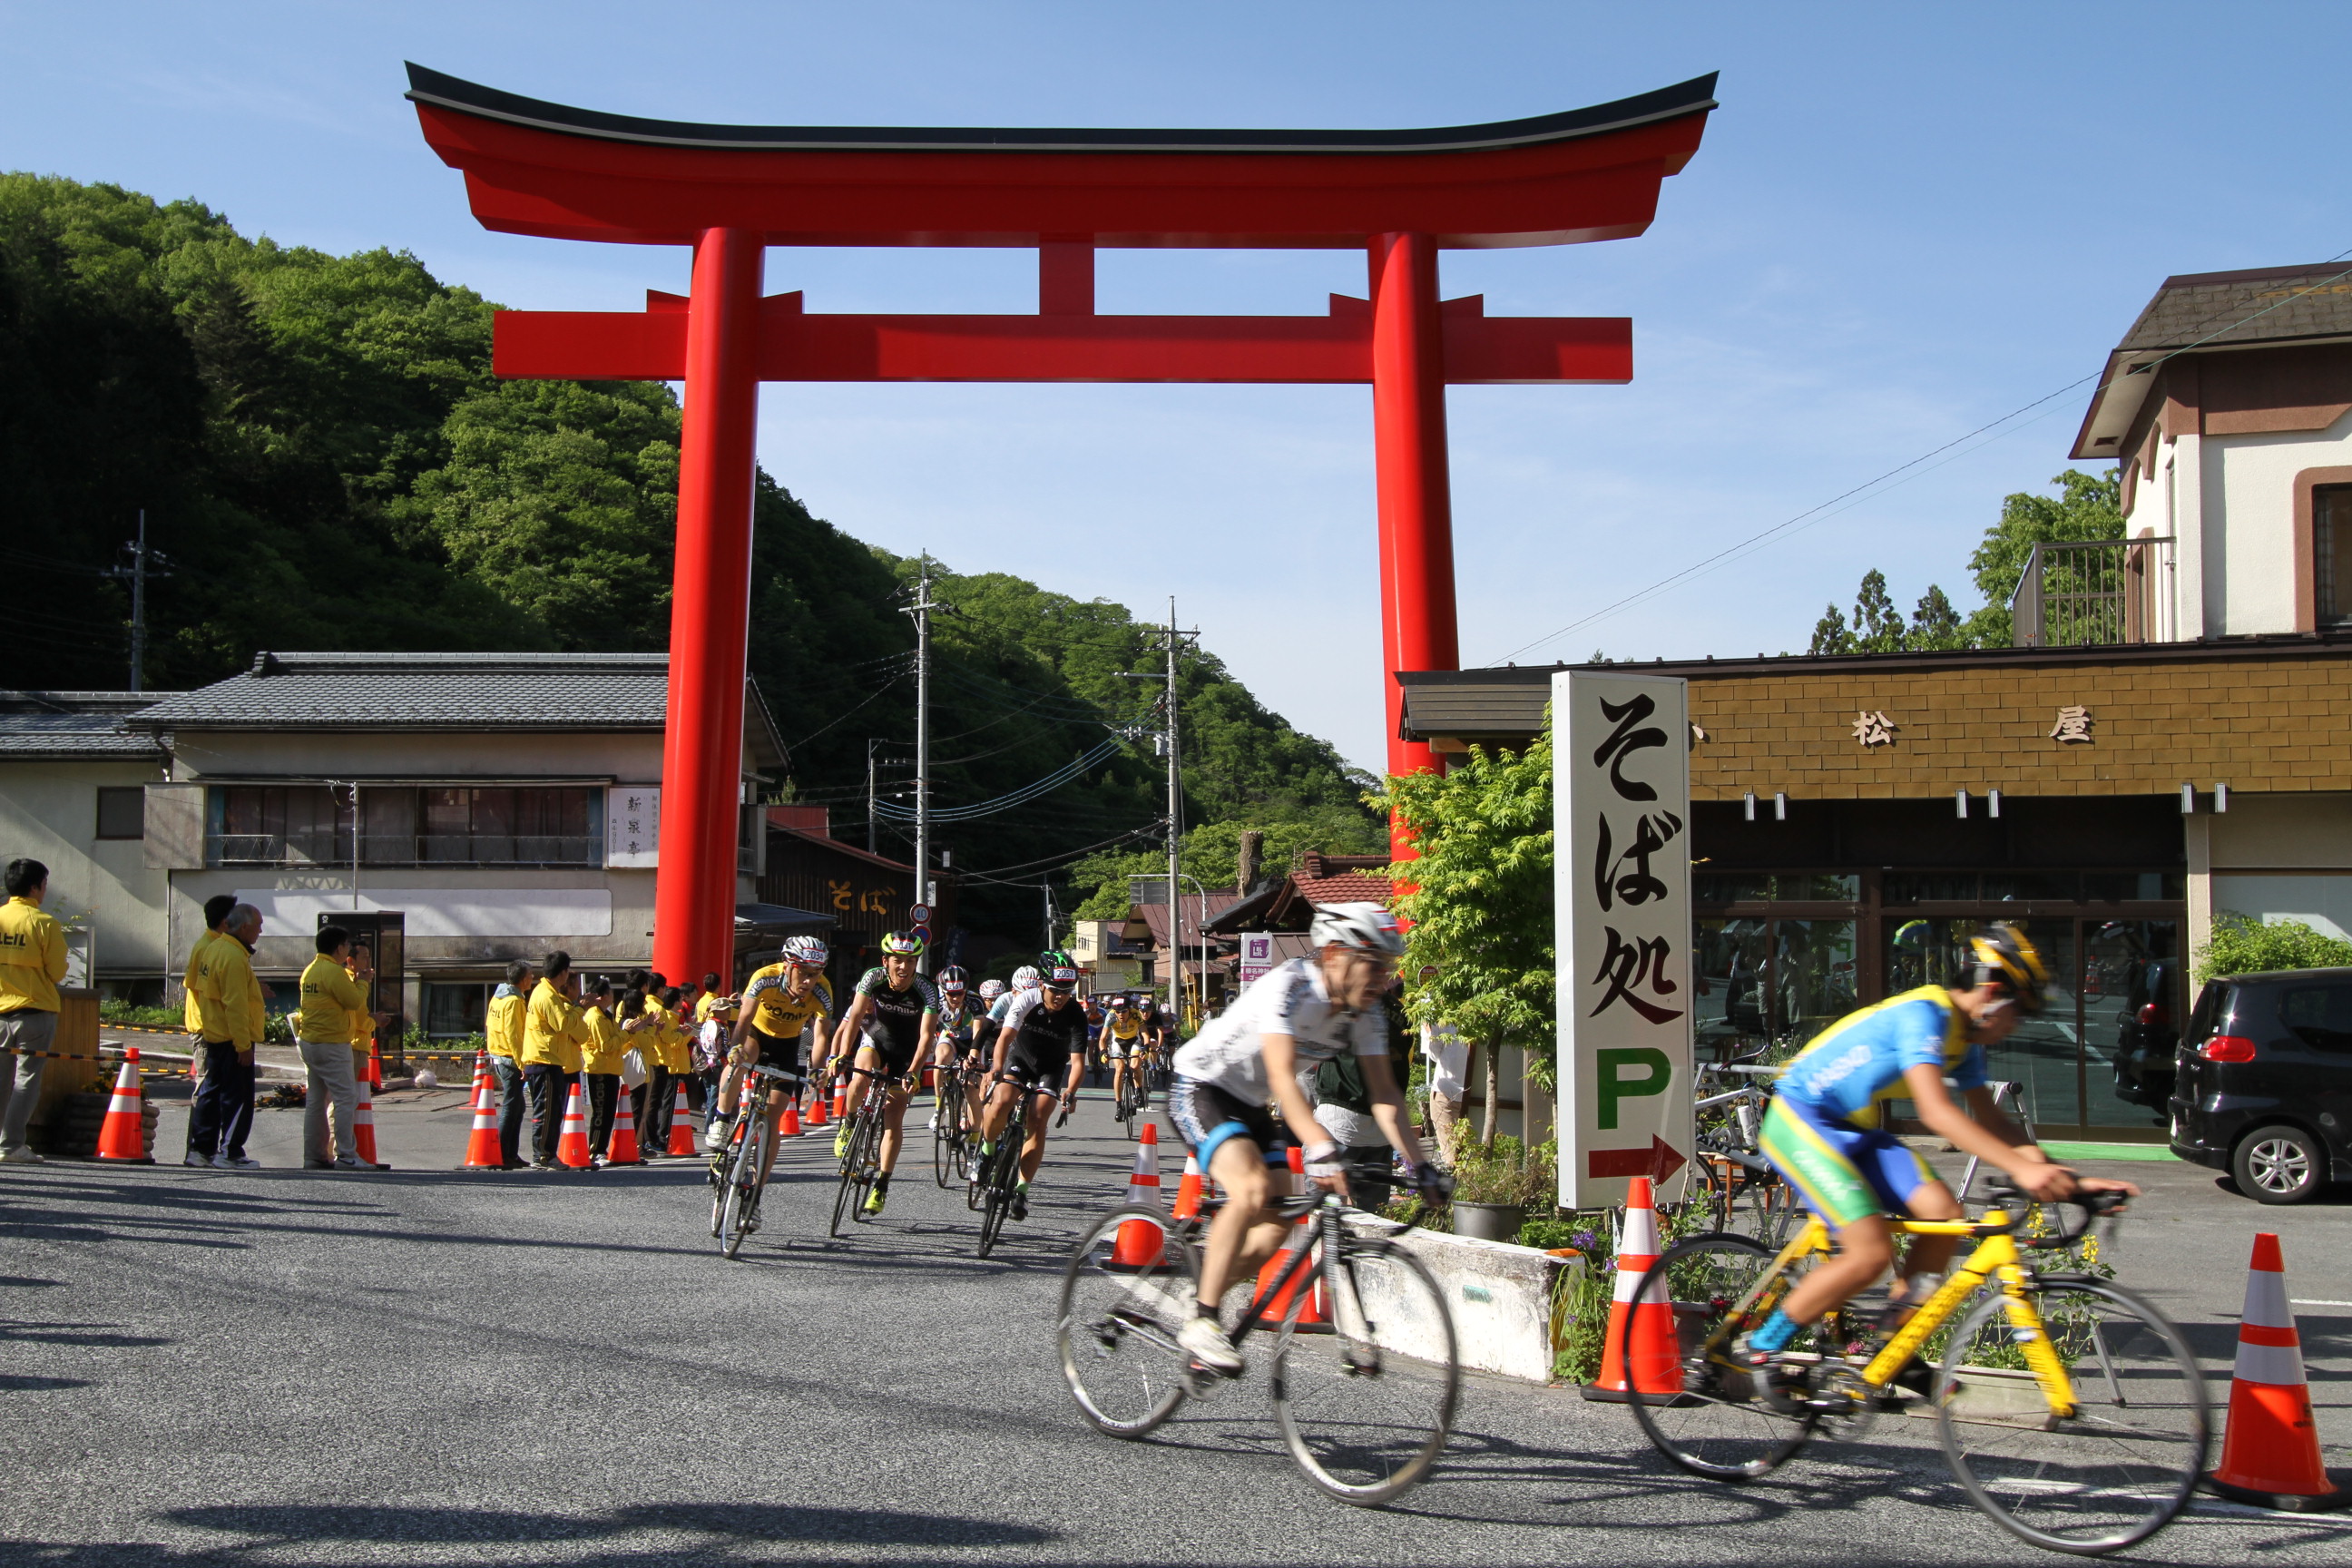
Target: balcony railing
<point x="329" y="848"/>
<point x="2095" y="592"/>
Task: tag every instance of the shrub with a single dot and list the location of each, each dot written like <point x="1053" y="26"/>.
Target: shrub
<point x="2243" y="945"/>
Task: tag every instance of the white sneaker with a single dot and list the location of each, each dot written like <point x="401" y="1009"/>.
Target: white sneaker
<point x="240" y="1163"/>
<point x="220" y="1163"/>
<point x="22" y="1157"/>
<point x="1205" y="1343"/>
<point x="350" y="1162"/>
<point x="199" y="1161"/>
<point x="932" y="1126"/>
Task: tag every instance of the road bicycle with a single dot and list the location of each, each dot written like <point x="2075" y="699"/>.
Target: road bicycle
<point x="1365" y="1370"/>
<point x="999" y="1178"/>
<point x="952" y="1127"/>
<point x="861" y="1156"/>
<point x="1744" y="1194"/>
<point x="1134" y="1089"/>
<point x="2070" y="1410"/>
<point x="737" y="1175"/>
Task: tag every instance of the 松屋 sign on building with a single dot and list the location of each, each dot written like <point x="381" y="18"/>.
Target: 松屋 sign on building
<point x="1621" y="818"/>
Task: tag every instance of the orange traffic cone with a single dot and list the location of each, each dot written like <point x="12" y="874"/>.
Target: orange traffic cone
<point x="571" y="1146"/>
<point x="363" y="1123"/>
<point x="621" y="1148"/>
<point x="1140" y="1241"/>
<point x="1310" y="1314"/>
<point x="681" y="1128"/>
<point x="2270" y="1450"/>
<point x="1640" y="1333"/>
<point x="816" y="1116"/>
<point x="482" y="1151"/>
<point x="1188" y="1189"/>
<point x="841" y="1097"/>
<point x="123" y="1134"/>
<point x="375" y="1070"/>
<point x="788" y="1126"/>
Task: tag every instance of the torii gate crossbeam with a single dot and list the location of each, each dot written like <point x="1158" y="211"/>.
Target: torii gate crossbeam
<point x="732" y="191"/>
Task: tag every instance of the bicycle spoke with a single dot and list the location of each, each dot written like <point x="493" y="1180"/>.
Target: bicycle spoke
<point x="1117" y="1325"/>
<point x="1721" y="1425"/>
<point x="2113" y="1473"/>
<point x="1365" y="1406"/>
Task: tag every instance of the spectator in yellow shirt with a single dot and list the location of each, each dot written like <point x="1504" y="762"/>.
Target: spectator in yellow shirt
<point x="503" y="1027"/>
<point x="600" y="1067"/>
<point x="32" y="961"/>
<point x="553" y="1034"/>
<point x="331" y="994"/>
<point x="229" y="1009"/>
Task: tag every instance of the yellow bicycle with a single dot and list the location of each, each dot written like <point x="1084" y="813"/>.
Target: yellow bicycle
<point x="2069" y="1409"/>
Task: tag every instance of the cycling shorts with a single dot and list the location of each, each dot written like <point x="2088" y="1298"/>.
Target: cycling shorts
<point x="1845" y="1172"/>
<point x="782" y="1054"/>
<point x="1114" y="1049"/>
<point x="1206" y="1117"/>
<point x="897" y="1060"/>
<point x="1035" y="1065"/>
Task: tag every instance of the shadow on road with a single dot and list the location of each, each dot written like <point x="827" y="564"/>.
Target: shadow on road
<point x="290" y="1523"/>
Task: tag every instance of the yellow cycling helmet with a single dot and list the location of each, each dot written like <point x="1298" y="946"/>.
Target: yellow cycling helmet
<point x="2007" y="956"/>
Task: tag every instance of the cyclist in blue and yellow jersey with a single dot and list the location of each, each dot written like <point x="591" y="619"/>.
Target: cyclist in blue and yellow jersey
<point x="782" y="1025"/>
<point x="1823" y="1131"/>
<point x="1041" y="1051"/>
<point x="895" y="1019"/>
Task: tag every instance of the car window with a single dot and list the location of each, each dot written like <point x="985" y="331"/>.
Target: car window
<point x="2210" y="1002"/>
<point x="2318" y="1016"/>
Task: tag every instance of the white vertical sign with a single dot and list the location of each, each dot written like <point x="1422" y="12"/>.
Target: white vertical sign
<point x="1620" y="778"/>
<point x="1257" y="955"/>
<point x="631" y="825"/>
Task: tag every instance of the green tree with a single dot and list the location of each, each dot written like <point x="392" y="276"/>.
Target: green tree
<point x="1481" y="904"/>
<point x="2087" y="507"/>
<point x="2243" y="945"/>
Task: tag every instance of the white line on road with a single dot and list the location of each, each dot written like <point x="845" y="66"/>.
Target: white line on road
<point x="2298" y="1301"/>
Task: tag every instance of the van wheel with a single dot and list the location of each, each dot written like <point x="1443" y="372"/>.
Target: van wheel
<point x="2280" y="1165"/>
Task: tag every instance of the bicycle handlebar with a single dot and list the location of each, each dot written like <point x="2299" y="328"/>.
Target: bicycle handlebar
<point x="2095" y="1206"/>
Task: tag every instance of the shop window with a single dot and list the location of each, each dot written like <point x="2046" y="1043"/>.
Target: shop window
<point x="2331" y="554"/>
<point x="122" y="813"/>
<point x="455" y="1009"/>
<point x="1801" y="887"/>
<point x="1767" y="986"/>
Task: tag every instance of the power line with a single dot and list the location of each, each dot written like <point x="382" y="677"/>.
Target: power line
<point x="1821" y="512"/>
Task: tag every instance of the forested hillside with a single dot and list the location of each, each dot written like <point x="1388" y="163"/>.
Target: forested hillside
<point x="326" y="462"/>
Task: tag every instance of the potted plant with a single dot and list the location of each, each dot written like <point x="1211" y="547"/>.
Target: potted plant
<point x="1494" y="1183"/>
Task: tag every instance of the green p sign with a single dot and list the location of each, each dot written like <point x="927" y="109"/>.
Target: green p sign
<point x="1614" y="1063"/>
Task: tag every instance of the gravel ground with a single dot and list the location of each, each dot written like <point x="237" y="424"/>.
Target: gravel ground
<point x="442" y="1366"/>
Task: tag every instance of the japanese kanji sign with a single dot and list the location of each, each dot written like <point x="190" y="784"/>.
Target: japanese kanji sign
<point x="1621" y="818"/>
<point x="2074" y="724"/>
<point x="631" y="825"/>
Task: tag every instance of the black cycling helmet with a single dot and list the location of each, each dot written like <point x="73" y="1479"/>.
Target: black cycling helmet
<point x="2006" y="957"/>
<point x="1057" y="969"/>
<point x="951" y="978"/>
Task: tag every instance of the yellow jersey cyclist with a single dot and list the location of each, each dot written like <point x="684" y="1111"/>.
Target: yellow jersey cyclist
<point x="782" y="1026"/>
<point x="1292" y="1019"/>
<point x="1127" y="1036"/>
<point x="1823" y="1131"/>
<point x="894" y="1019"/>
<point x="1041" y="1051"/>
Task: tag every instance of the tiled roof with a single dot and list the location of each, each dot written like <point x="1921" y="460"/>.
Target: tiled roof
<point x="1155" y="916"/>
<point x="428" y="690"/>
<point x="1348" y="888"/>
<point x="63" y="725"/>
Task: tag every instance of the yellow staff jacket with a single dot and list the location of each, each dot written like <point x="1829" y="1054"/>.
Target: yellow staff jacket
<point x="190" y="1014"/>
<point x="228" y="997"/>
<point x="330" y="995"/>
<point x="605" y="1043"/>
<point x="552" y="1030"/>
<point x="504" y="1025"/>
<point x="32" y="957"/>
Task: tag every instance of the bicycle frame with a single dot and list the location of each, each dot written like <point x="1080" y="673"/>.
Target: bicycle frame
<point x="1997" y="1257"/>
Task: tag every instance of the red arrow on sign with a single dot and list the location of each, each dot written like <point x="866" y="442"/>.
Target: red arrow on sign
<point x="1657" y="1162"/>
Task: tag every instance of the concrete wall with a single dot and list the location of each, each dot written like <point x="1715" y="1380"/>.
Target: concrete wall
<point x="49" y="811"/>
<point x="2248" y="503"/>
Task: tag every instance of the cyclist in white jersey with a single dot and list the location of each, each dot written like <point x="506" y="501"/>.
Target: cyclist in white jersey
<point x="1294" y="1019"/>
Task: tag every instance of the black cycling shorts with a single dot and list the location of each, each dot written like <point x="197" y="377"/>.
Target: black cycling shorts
<point x="897" y="1061"/>
<point x="1206" y="1116"/>
<point x="780" y="1054"/>
<point x="1036" y="1067"/>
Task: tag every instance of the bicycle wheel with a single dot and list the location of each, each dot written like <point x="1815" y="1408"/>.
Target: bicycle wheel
<point x="998" y="1181"/>
<point x="947" y="1133"/>
<point x="742" y="1186"/>
<point x="1720" y="1425"/>
<point x="2115" y="1471"/>
<point x="1365" y="1407"/>
<point x="849" y="1190"/>
<point x="865" y="1149"/>
<point x="1118" y="1323"/>
<point x="720" y="1167"/>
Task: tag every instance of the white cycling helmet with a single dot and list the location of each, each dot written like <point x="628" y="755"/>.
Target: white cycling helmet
<point x="1366" y="926"/>
<point x="1026" y="978"/>
<point x="990" y="990"/>
<point x="808" y="952"/>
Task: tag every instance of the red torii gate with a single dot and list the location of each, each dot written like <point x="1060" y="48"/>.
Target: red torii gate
<point x="732" y="190"/>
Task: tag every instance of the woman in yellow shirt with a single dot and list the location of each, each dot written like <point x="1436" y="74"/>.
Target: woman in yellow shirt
<point x="600" y="1067"/>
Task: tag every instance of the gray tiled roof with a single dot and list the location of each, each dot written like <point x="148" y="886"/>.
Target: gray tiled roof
<point x="65" y="725"/>
<point x="2293" y="302"/>
<point x="428" y="690"/>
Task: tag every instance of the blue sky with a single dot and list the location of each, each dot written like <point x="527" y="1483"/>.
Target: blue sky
<point x="1902" y="224"/>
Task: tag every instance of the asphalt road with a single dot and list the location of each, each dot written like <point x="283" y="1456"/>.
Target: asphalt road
<point x="439" y="1366"/>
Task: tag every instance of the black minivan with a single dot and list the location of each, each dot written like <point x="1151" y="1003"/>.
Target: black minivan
<point x="2263" y="1082"/>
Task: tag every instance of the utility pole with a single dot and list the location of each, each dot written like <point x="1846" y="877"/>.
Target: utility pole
<point x="921" y="610"/>
<point x="1175" y="839"/>
<point x="136" y="574"/>
<point x="870" y="848"/>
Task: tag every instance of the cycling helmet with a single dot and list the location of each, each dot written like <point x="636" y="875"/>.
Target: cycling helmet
<point x="808" y="952"/>
<point x="1368" y="927"/>
<point x="1025" y="978"/>
<point x="951" y="978"/>
<point x="902" y="944"/>
<point x="2007" y="957"/>
<point x="1058" y="969"/>
<point x="990" y="990"/>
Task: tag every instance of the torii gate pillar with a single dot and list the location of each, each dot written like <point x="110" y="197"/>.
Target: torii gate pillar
<point x="1417" y="506"/>
<point x="710" y="627"/>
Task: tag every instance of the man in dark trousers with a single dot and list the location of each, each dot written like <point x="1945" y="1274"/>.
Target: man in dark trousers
<point x="228" y="1002"/>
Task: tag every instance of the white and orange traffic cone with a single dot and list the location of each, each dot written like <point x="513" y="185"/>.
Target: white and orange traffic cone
<point x="375" y="1070"/>
<point x="2270" y="1450"/>
<point x="1141" y="1242"/>
<point x="841" y="1097"/>
<point x="681" y="1128"/>
<point x="789" y="1124"/>
<point x="363" y="1124"/>
<point x="816" y="1116"/>
<point x="572" y="1143"/>
<point x="621" y="1147"/>
<point x="123" y="1135"/>
<point x="1640" y="1358"/>
<point x="1310" y="1313"/>
<point x="1188" y="1190"/>
<point x="482" y="1153"/>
